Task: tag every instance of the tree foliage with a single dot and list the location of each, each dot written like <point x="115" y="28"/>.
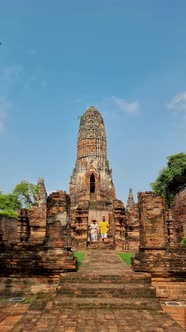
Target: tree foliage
<point x="26" y="193"/>
<point x="9" y="205"/>
<point x="171" y="178"/>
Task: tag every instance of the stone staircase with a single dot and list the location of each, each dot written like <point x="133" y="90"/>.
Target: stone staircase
<point x="106" y="296"/>
<point x="107" y="244"/>
<point x="105" y="282"/>
<point x="106" y="291"/>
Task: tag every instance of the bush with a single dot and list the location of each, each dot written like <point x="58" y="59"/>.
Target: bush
<point x="9" y="213"/>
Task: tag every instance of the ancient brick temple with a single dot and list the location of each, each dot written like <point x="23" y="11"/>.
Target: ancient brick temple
<point x="92" y="191"/>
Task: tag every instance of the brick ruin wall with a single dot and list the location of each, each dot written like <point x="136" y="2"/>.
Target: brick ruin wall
<point x="41" y="250"/>
<point x="31" y="225"/>
<point x="166" y="264"/>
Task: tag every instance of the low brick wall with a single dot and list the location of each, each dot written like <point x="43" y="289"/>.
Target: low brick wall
<point x="15" y="286"/>
<point x="170" y="289"/>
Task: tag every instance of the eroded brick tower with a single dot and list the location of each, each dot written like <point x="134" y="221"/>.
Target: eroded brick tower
<point x="92" y="178"/>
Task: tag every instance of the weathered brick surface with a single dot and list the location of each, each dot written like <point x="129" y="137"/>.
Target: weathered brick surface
<point x="119" y="225"/>
<point x="170" y="228"/>
<point x="91" y="178"/>
<point x="31" y="226"/>
<point x="8" y="229"/>
<point x="79" y="225"/>
<point x="167" y="264"/>
<point x="152" y="221"/>
<point x="132" y="219"/>
<point x="43" y="243"/>
<point x="170" y="289"/>
<point x="58" y="204"/>
<point x="179" y="215"/>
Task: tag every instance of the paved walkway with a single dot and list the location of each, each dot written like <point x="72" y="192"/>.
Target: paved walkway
<point x="104" y="295"/>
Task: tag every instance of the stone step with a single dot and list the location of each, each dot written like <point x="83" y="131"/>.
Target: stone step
<point x="106" y="290"/>
<point x="107" y="303"/>
<point x="128" y="277"/>
<point x="101" y="245"/>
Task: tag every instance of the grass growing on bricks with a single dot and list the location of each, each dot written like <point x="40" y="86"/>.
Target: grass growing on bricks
<point x="126" y="257"/>
<point x="80" y="256"/>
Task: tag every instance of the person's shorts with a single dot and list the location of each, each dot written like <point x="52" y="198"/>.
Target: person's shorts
<point x="103" y="235"/>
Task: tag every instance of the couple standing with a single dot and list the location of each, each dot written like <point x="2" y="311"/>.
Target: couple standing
<point x="102" y="228"/>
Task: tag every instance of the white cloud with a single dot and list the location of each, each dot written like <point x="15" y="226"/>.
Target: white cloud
<point x="178" y="102"/>
<point x="122" y="104"/>
<point x="11" y="72"/>
<point x="4" y="106"/>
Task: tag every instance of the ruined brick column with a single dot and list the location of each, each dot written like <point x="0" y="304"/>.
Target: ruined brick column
<point x="58" y="204"/>
<point x="153" y="234"/>
<point x="119" y="225"/>
<point x="23" y="227"/>
<point x="152" y="221"/>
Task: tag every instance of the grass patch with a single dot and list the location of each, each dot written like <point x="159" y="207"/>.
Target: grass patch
<point x="183" y="241"/>
<point x="126" y="257"/>
<point x="80" y="256"/>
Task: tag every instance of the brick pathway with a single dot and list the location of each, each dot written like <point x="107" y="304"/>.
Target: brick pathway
<point x="104" y="295"/>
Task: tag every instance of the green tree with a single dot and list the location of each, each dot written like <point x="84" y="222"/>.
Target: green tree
<point x="9" y="205"/>
<point x="26" y="193"/>
<point x="171" y="178"/>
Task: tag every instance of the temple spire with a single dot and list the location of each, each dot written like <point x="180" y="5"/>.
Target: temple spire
<point x="92" y="177"/>
<point x="42" y="194"/>
<point x="130" y="201"/>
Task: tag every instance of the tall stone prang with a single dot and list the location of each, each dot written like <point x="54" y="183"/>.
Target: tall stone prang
<point x="92" y="178"/>
<point x="130" y="201"/>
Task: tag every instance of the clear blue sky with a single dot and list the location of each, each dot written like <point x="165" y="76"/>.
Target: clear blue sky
<point x="126" y="57"/>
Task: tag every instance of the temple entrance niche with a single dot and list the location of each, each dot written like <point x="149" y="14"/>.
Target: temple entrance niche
<point x="92" y="184"/>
